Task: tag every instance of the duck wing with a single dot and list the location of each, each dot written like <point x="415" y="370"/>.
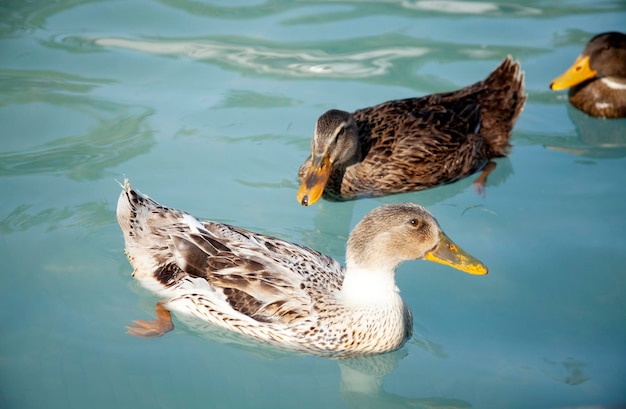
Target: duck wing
<point x="417" y="143"/>
<point x="237" y="271"/>
<point x="267" y="279"/>
<point x="501" y="99"/>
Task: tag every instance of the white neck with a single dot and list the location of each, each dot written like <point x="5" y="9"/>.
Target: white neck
<point x="365" y="287"/>
<point x="613" y="84"/>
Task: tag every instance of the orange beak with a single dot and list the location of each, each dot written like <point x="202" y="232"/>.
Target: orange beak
<point x="314" y="181"/>
<point x="448" y="253"/>
<point x="577" y="73"/>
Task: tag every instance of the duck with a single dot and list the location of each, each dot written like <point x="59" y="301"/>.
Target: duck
<point x="277" y="293"/>
<point x="415" y="143"/>
<point x="597" y="79"/>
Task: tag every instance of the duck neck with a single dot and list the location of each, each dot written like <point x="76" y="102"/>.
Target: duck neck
<point x="614" y="83"/>
<point x="367" y="286"/>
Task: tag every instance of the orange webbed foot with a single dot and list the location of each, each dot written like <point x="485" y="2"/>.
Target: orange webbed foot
<point x="481" y="180"/>
<point x="152" y="329"/>
<point x="479" y="189"/>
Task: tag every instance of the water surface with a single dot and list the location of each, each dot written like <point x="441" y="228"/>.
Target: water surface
<point x="209" y="107"/>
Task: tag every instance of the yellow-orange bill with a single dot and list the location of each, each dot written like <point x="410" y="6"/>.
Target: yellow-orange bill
<point x="577" y="73"/>
<point x="314" y="181"/>
<point x="452" y="255"/>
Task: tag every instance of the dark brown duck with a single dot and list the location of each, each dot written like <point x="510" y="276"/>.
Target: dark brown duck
<point x="597" y="79"/>
<point x="416" y="143"/>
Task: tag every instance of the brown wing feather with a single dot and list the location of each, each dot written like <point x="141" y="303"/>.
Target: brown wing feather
<point x="256" y="283"/>
<point x="417" y="143"/>
<point x="414" y="144"/>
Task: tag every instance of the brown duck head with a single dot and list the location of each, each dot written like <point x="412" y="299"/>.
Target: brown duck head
<point x="335" y="142"/>
<point x="604" y="56"/>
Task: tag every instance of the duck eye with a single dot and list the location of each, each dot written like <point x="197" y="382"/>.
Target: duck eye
<point x="414" y="222"/>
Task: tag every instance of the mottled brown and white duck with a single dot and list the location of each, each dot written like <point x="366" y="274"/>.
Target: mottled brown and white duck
<point x="280" y="293"/>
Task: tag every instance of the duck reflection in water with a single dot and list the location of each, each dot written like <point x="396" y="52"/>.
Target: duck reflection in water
<point x="596" y="138"/>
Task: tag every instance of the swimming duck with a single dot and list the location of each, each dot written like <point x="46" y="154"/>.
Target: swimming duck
<point x="280" y="293"/>
<point x="416" y="143"/>
<point x="597" y="79"/>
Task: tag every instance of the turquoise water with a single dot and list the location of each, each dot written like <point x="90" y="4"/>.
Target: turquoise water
<point x="209" y="107"/>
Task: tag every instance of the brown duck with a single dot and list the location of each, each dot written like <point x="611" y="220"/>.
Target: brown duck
<point x="597" y="79"/>
<point x="416" y="143"/>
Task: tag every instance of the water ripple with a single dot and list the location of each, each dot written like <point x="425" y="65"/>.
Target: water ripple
<point x="314" y="63"/>
<point x="470" y="7"/>
<point x="25" y="216"/>
<point x="112" y="134"/>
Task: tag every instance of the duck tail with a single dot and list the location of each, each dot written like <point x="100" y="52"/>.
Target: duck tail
<point x="140" y="224"/>
<point x="133" y="209"/>
<point x="501" y="98"/>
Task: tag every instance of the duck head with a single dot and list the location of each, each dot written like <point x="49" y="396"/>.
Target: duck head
<point x="334" y="142"/>
<point x="391" y="234"/>
<point x="603" y="57"/>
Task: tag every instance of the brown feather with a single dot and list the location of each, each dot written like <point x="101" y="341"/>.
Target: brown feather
<point x="418" y="143"/>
